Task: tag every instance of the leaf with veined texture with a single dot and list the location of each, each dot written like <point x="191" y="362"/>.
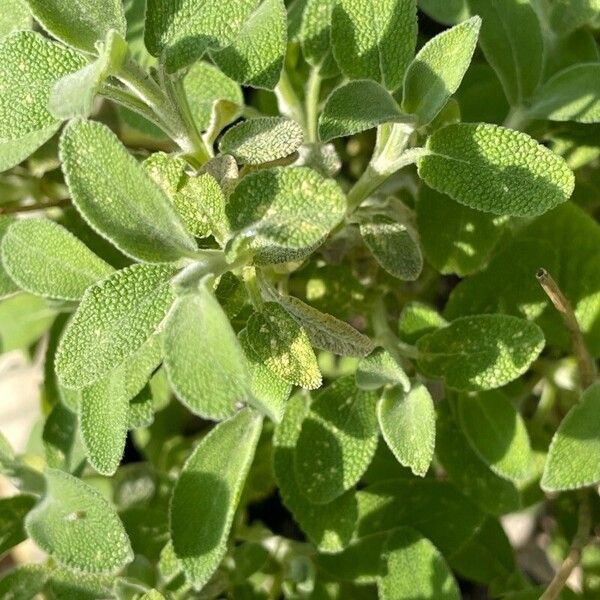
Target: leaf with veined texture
<point x="315" y="36"/>
<point x="16" y="16"/>
<point x="380" y="369"/>
<point x="207" y="493"/>
<point x="7" y="285"/>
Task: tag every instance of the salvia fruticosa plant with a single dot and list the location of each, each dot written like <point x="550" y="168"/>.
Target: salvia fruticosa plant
<point x="316" y="290"/>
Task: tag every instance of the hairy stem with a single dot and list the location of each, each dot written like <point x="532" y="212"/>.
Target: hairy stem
<point x="287" y="99"/>
<point x="313" y="96"/>
<point x="385" y="337"/>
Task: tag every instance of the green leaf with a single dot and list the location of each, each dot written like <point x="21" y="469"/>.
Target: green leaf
<point x="15" y="151"/>
<point x="328" y="526"/>
<point x="315" y="36"/>
<point x="16" y="16"/>
<point x="12" y="513"/>
<point x="497" y="170"/>
<point x="456" y="239"/>
<point x="284" y="214"/>
<point x="568" y="15"/>
<point x="355" y="107"/>
<point x="212" y="383"/>
<point x="7" y="285"/>
<point x="511" y="39"/>
<point x="255" y="57"/>
<point x="414" y="568"/>
<point x="407" y="422"/>
<point x="24" y="582"/>
<point x="262" y="140"/>
<point x="480" y="352"/>
<point x="116" y="316"/>
<point x="418" y="319"/>
<point x="81" y="23"/>
<point x="181" y="32"/>
<point x="45" y="259"/>
<point x="573" y="458"/>
<point x="77" y="527"/>
<point x="497" y="433"/>
<point x="19" y="474"/>
<point x="62" y="444"/>
<point x="374" y="40"/>
<point x="283" y="346"/>
<point x="118" y="198"/>
<point x="380" y="369"/>
<point x="337" y="441"/>
<point x="207" y="493"/>
<point x="394" y="246"/>
<point x="570" y="95"/>
<point x="447" y="12"/>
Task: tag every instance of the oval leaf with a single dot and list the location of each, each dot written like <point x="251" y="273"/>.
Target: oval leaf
<point x="379" y="369"/>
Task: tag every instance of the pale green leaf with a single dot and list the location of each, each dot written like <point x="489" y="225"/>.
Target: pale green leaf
<point x="15" y="151"/>
<point x="15" y="16"/>
<point x="211" y="382"/>
<point x="494" y="169"/>
<point x="574" y="455"/>
<point x="480" y="352"/>
<point x="284" y="214"/>
<point x="414" y="568"/>
<point x="207" y="493"/>
<point x="283" y="346"/>
<point x="328" y="526"/>
<point x="24" y="582"/>
<point x="355" y="107"/>
<point x="438" y="69"/>
<point x="337" y="441"/>
<point x="118" y="198"/>
<point x="262" y="140"/>
<point x="394" y="246"/>
<point x="407" y="422"/>
<point x="568" y="15"/>
<point x="380" y="369"/>
<point x="255" y="57"/>
<point x="375" y="40"/>
<point x="7" y="285"/>
<point x="80" y="23"/>
<point x="12" y="512"/>
<point x="511" y="39"/>
<point x="77" y="527"/>
<point x="116" y="316"/>
<point x="570" y="95"/>
<point x="45" y="259"/>
<point x="418" y="319"/>
<point x="315" y="36"/>
<point x="497" y="433"/>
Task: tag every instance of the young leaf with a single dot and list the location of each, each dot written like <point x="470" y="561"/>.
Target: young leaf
<point x="212" y="383"/>
<point x="207" y="493"/>
<point x="81" y="23"/>
<point x="315" y="36"/>
<point x="414" y="567"/>
<point x="284" y="214"/>
<point x="116" y="316"/>
<point x="573" y="458"/>
<point x="480" y="352"/>
<point x="407" y="422"/>
<point x="355" y="107"/>
<point x="263" y="140"/>
<point x="255" y="57"/>
<point x="497" y="170"/>
<point x="511" y="39"/>
<point x="337" y="441"/>
<point x="118" y="198"/>
<point x="418" y="319"/>
<point x="570" y="95"/>
<point x="12" y="512"/>
<point x="45" y="259"/>
<point x="283" y="346"/>
<point x="438" y="69"/>
<point x="380" y="369"/>
<point x="77" y="527"/>
<point x="374" y="40"/>
<point x="497" y="433"/>
<point x="394" y="247"/>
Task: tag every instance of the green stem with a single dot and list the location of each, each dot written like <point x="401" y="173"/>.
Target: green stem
<point x="289" y="103"/>
<point x="252" y="286"/>
<point x="313" y="96"/>
<point x="388" y="339"/>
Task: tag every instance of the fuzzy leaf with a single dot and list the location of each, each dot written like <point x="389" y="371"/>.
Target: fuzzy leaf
<point x="337" y="441"/>
<point x="77" y="527"/>
<point x="497" y="433"/>
<point x="24" y="582"/>
<point x="210" y="384"/>
<point x="497" y="170"/>
<point x="45" y="259"/>
<point x="207" y="493"/>
<point x="574" y="455"/>
<point x="418" y="319"/>
<point x="12" y="512"/>
<point x="283" y="346"/>
<point x="379" y="369"/>
<point x="263" y="140"/>
<point x="447" y="12"/>
<point x="355" y="107"/>
<point x="315" y="36"/>
<point x="480" y="352"/>
<point x="255" y="57"/>
<point x="118" y="198"/>
<point x="80" y="23"/>
<point x="15" y="16"/>
<point x="407" y="422"/>
<point x="374" y="40"/>
<point x="284" y="214"/>
<point x="570" y="95"/>
<point x="438" y="69"/>
<point x="116" y="316"/>
<point x="7" y="285"/>
<point x="15" y="151"/>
